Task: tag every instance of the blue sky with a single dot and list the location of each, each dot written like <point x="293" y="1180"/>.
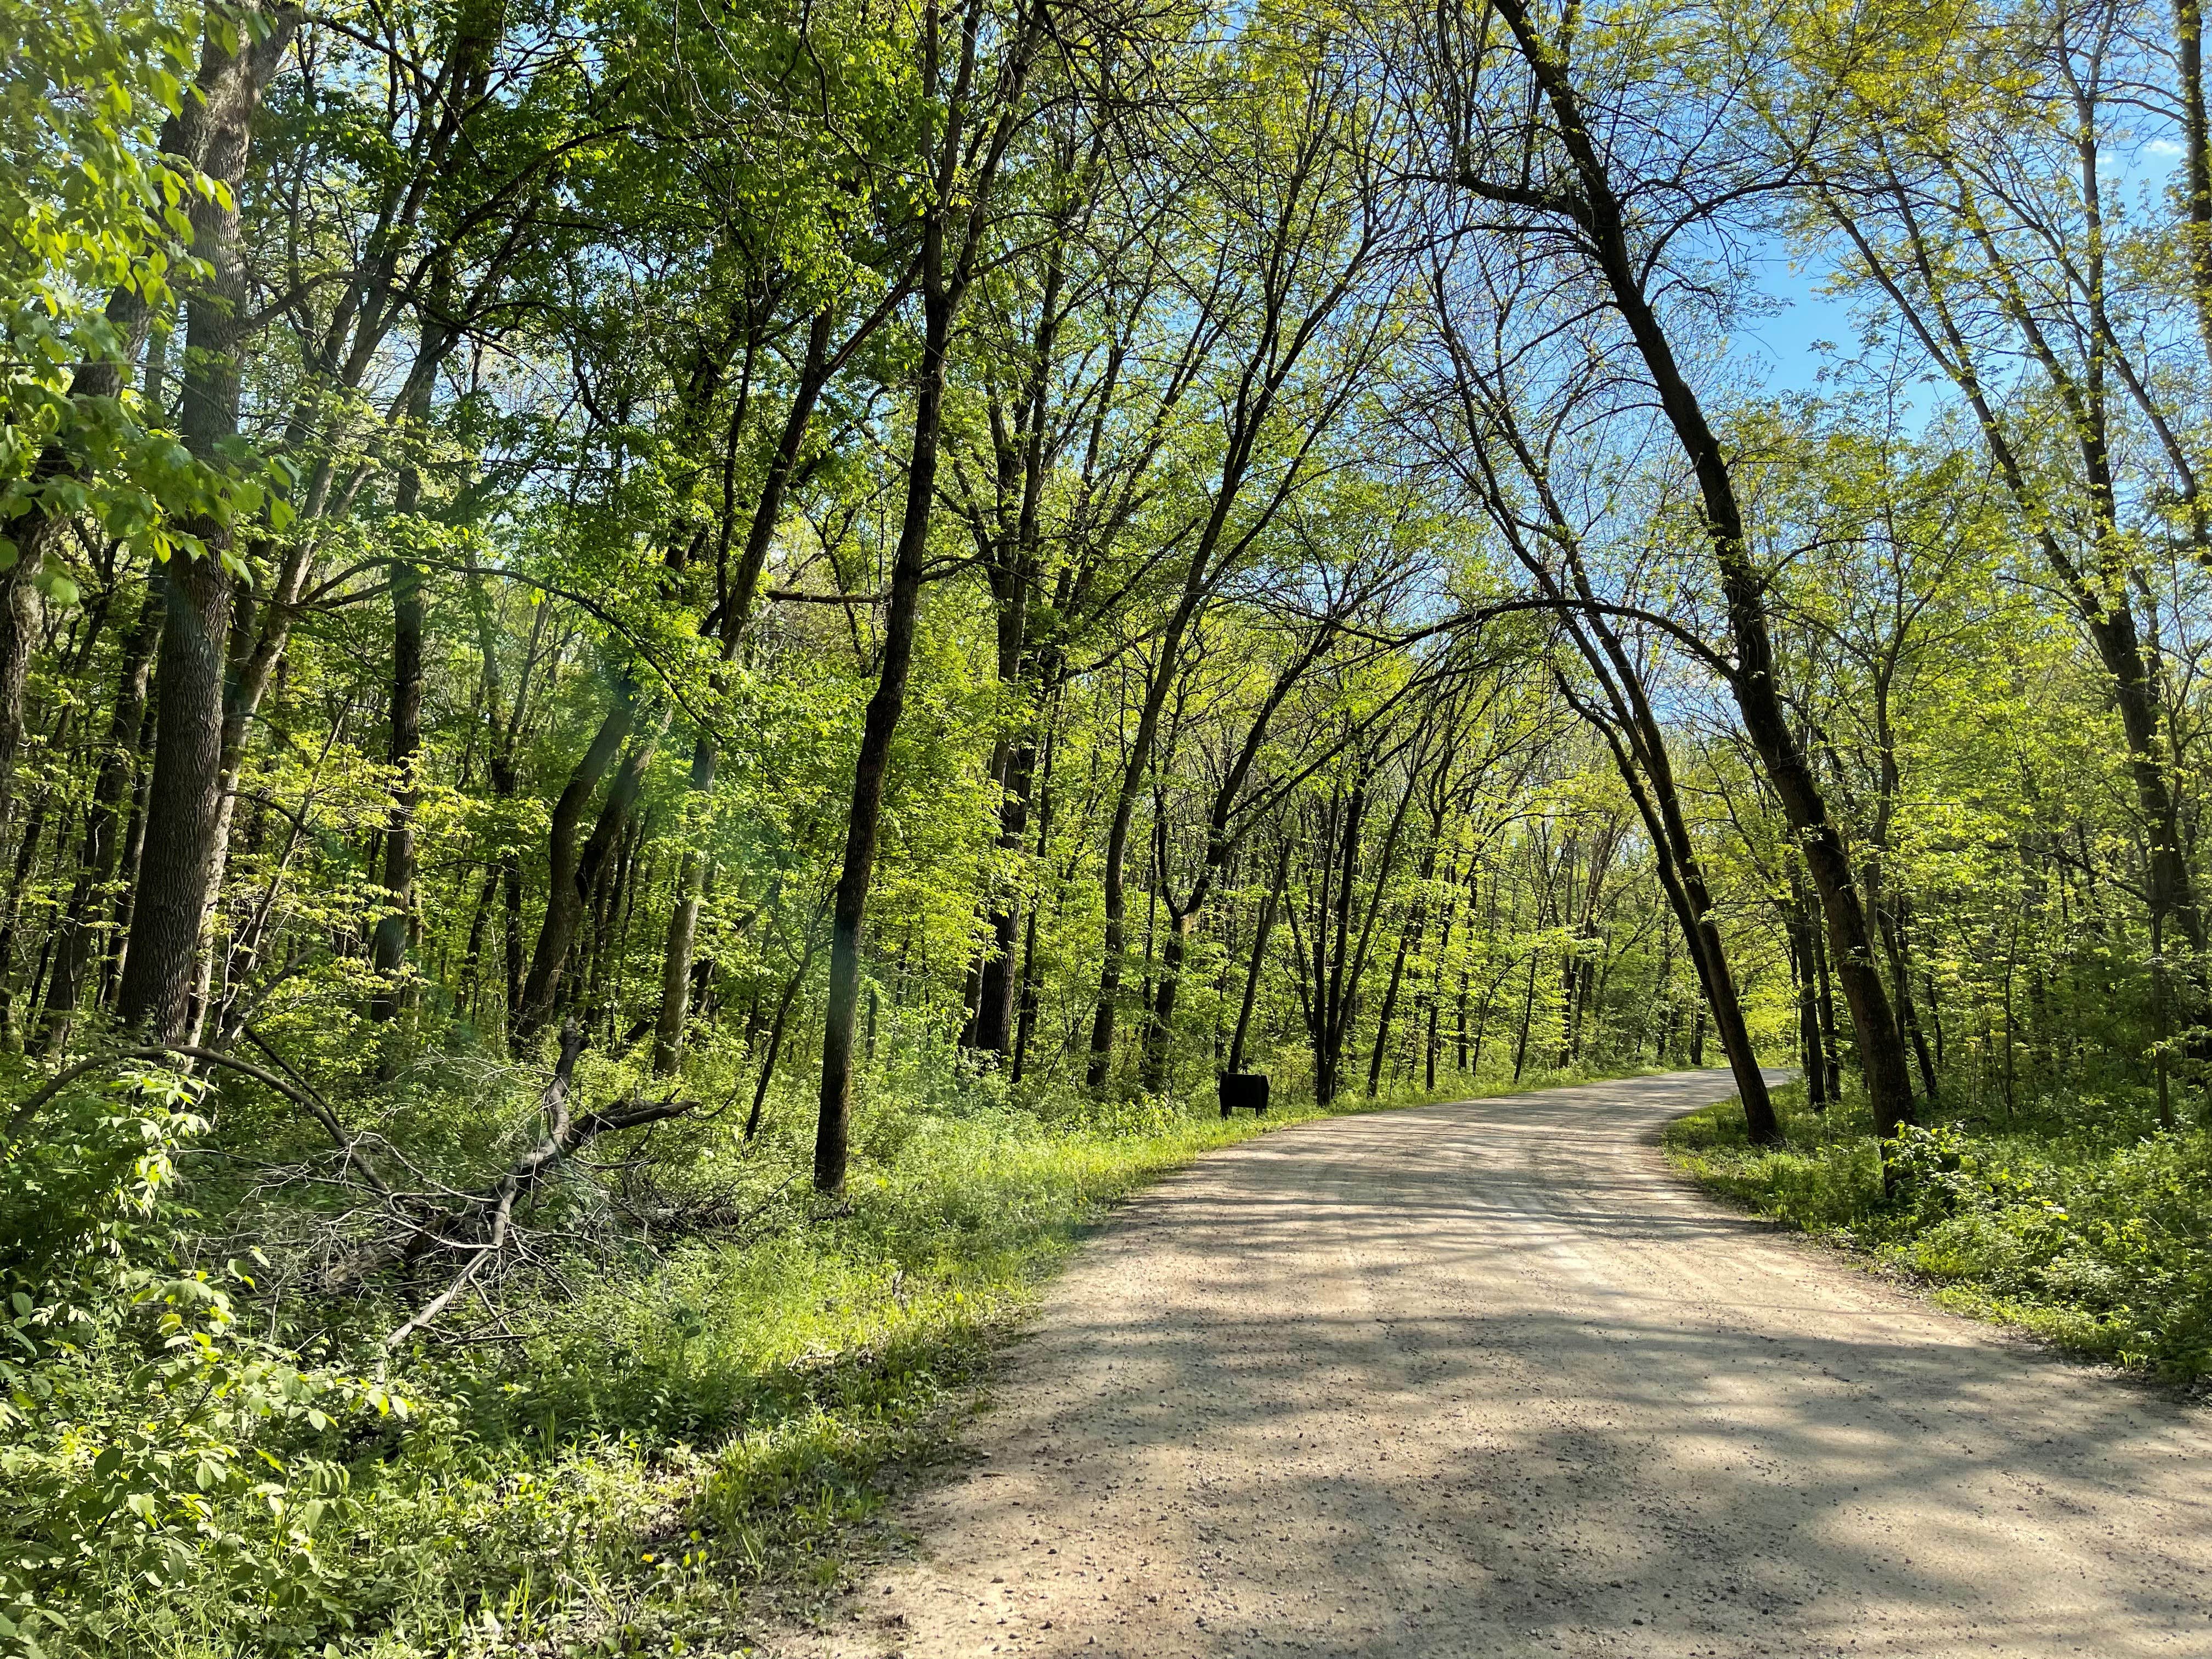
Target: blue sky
<point x="1777" y="351"/>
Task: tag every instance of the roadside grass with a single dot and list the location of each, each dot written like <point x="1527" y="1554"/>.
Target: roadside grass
<point x="2079" y="1220"/>
<point x="674" y="1457"/>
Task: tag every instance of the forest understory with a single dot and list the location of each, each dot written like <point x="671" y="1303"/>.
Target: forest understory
<point x="679" y="1444"/>
<point x="2073" y="1216"/>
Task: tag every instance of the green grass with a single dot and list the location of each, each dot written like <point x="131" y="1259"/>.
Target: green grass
<point x="673" y="1451"/>
<point x="2081" y="1221"/>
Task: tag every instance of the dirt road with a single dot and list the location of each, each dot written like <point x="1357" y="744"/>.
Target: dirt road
<point x="1486" y="1379"/>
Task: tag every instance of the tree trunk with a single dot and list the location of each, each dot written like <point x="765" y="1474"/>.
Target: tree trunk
<point x="1159" y="1029"/>
<point x="170" y="899"/>
<point x="999" y="983"/>
<point x="1650" y="778"/>
<point x="1804" y="954"/>
<point x="1409" y="941"/>
<point x="1459" y="1028"/>
<point x="473" y="957"/>
<point x="134" y="848"/>
<point x="504" y="730"/>
<point x="1331" y="995"/>
<point x="691" y="874"/>
<point x="395" y="932"/>
<point x="1638" y="745"/>
<point x="833" y="1126"/>
<point x="2197" y="142"/>
<point x="388" y="951"/>
<point x="1025" y="1030"/>
<point x="774" y="1048"/>
<point x="1434" y="994"/>
<point x="1114" y="877"/>
<point x="1390" y="1010"/>
<point x="1261" y="929"/>
<point x="1829" y="1047"/>
<point x="1013" y="577"/>
<point x="22" y="611"/>
<point x="1752" y="679"/>
<point x="942" y="287"/>
<point x="1528" y="1017"/>
<point x="566" y="883"/>
<point x="27" y="860"/>
<point x="180" y="864"/>
<point x="78" y="937"/>
<point x="1900" y="972"/>
<point x="683" y="938"/>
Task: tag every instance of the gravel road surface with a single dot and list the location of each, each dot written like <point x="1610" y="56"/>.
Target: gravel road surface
<point x="1488" y="1379"/>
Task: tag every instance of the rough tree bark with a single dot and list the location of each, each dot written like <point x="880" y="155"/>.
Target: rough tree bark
<point x="184" y="813"/>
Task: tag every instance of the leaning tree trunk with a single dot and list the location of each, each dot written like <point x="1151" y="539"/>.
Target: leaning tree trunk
<point x="1753" y="680"/>
<point x="1645" y="769"/>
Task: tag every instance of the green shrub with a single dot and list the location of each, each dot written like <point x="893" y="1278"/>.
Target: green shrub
<point x="2083" y="1222"/>
<point x="152" y="1451"/>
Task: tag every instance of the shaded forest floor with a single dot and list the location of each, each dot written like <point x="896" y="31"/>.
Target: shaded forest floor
<point x="2077" y="1218"/>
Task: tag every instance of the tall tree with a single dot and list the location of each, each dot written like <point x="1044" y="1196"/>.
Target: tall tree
<point x="1599" y="124"/>
<point x="985" y="98"/>
<point x="185" y="802"/>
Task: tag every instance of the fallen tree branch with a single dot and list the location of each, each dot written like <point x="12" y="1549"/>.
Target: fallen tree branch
<point x="479" y="1225"/>
<point x="490" y="1212"/>
<point x="20" y="1120"/>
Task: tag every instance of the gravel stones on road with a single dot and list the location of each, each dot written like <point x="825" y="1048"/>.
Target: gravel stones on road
<point x="1486" y="1379"/>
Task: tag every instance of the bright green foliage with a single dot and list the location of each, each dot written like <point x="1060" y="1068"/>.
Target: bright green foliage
<point x="2082" y="1222"/>
<point x="1283" y="486"/>
<point x="155" y="1450"/>
<point x="98" y="228"/>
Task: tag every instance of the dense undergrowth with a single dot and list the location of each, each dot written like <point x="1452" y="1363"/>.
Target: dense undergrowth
<point x="654" y="1449"/>
<point x="2079" y="1219"/>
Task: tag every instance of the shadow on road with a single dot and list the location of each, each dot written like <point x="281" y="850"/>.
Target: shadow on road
<point x="1483" y="1379"/>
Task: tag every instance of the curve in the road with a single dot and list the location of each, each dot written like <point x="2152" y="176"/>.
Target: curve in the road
<point x="1486" y="1379"/>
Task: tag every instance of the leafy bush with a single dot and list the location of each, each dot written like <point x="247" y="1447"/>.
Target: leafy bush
<point x="153" y="1450"/>
<point x="2086" y="1224"/>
